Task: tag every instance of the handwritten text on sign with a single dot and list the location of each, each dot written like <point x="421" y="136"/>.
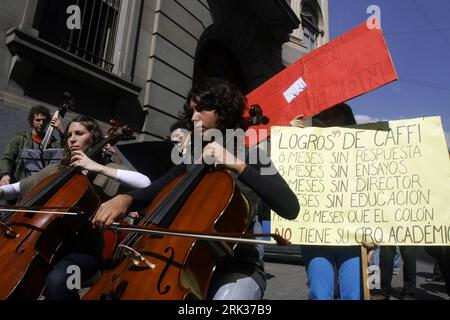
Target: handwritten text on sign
<point x="388" y="185"/>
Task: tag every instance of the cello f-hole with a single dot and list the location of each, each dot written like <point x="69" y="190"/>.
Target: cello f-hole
<point x="19" y="248"/>
<point x="166" y="267"/>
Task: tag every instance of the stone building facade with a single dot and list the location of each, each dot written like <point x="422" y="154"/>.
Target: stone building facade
<point x="135" y="60"/>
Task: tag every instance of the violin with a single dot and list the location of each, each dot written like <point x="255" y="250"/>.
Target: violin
<point x="30" y="241"/>
<point x="159" y="261"/>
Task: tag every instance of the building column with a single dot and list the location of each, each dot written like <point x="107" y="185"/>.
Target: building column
<point x="28" y="17"/>
<point x="297" y="34"/>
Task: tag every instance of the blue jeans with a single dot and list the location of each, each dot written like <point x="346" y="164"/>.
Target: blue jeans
<point x="376" y="257"/>
<point x="397" y="258"/>
<point x="56" y="282"/>
<point x="320" y="262"/>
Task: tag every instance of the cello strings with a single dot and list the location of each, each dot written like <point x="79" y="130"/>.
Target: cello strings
<point x="6" y="216"/>
<point x="134" y="237"/>
<point x="158" y="212"/>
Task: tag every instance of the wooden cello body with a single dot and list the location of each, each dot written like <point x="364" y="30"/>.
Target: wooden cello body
<point x="174" y="268"/>
<point x="30" y="242"/>
<point x="26" y="259"/>
<point x="148" y="267"/>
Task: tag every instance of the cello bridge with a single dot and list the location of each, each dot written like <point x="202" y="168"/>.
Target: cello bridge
<point x="136" y="258"/>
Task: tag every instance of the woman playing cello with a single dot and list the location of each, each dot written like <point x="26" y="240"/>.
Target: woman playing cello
<point x="217" y="104"/>
<point x="85" y="249"/>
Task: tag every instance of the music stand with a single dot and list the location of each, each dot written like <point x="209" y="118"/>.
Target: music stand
<point x="152" y="158"/>
<point x="35" y="160"/>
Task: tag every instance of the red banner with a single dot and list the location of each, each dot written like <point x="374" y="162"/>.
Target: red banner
<point x="351" y="65"/>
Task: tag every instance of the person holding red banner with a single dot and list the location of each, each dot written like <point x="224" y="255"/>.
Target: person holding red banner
<point x="320" y="261"/>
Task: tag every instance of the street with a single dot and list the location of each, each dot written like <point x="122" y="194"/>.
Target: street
<point x="288" y="281"/>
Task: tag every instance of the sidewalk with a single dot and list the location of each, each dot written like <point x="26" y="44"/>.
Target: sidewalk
<point x="289" y="281"/>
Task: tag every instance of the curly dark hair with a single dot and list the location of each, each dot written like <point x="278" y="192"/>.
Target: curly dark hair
<point x="218" y="95"/>
<point x="96" y="136"/>
<point x="36" y="110"/>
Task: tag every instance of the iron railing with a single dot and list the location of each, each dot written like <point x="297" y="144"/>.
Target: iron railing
<point x="94" y="41"/>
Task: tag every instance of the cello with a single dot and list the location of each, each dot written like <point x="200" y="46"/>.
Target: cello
<point x="66" y="104"/>
<point x="161" y="267"/>
<point x="30" y="240"/>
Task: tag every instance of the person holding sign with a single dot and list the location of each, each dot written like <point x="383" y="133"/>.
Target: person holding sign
<point x="321" y="260"/>
<point x="442" y="256"/>
<point x="387" y="254"/>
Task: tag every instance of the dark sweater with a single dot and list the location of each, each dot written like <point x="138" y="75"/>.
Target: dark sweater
<point x="271" y="189"/>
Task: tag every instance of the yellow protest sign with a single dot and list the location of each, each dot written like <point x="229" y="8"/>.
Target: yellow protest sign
<point x="388" y="185"/>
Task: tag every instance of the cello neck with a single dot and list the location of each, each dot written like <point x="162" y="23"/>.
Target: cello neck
<point x="63" y="177"/>
<point x="49" y="132"/>
<point x="171" y="205"/>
